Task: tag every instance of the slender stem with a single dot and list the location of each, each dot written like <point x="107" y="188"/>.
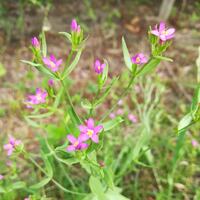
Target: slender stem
<point x="69" y="57"/>
<point x="53" y="180"/>
<point x="120" y="97"/>
<point x="69" y="101"/>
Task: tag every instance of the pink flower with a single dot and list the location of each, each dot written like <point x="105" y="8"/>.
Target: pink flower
<point x="90" y="131"/>
<point x="76" y="144"/>
<point x="163" y="33"/>
<point x="35" y="42"/>
<point x="112" y="115"/>
<point x="1" y="177"/>
<point x="120" y="112"/>
<point x="38" y="98"/>
<point x="120" y="102"/>
<point x="195" y="143"/>
<point x="27" y="198"/>
<point x="10" y="147"/>
<point x="51" y="82"/>
<point x="99" y="67"/>
<point x="132" y="118"/>
<point x="75" y="27"/>
<point x="139" y="58"/>
<point x="52" y="63"/>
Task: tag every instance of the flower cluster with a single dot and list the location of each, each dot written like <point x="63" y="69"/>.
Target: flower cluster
<point x="88" y="131"/>
<point x="12" y="145"/>
<point x="38" y="98"/>
<point x="52" y="63"/>
<point x="162" y="33"/>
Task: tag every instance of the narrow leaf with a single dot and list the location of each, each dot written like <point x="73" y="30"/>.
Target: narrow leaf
<point x="126" y="54"/>
<point x="112" y="123"/>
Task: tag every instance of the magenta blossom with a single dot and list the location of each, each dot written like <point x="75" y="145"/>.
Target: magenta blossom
<point x="99" y="67"/>
<point x="90" y="131"/>
<point x="132" y="118"/>
<point x="112" y="115"/>
<point x="120" y="111"/>
<point x="76" y="144"/>
<point x="52" y="62"/>
<point x="139" y="58"/>
<point x="10" y="147"/>
<point x="1" y="177"/>
<point x="163" y="33"/>
<point x="75" y="27"/>
<point x="195" y="143"/>
<point x="51" y="82"/>
<point x="38" y="98"/>
<point x="35" y="42"/>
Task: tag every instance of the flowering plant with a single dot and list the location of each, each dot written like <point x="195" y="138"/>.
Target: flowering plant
<point x="83" y="140"/>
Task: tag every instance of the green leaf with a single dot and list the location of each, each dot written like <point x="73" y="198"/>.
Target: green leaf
<point x="41" y="184"/>
<point x="126" y="54"/>
<point x="67" y="35"/>
<point x="185" y="121"/>
<point x="164" y="58"/>
<point x="58" y="98"/>
<point x="73" y="64"/>
<point x="112" y="123"/>
<point x="198" y="67"/>
<point x="18" y="185"/>
<point x="49" y="171"/>
<point x="148" y="67"/>
<point x="86" y="104"/>
<point x="44" y="44"/>
<point x="115" y="195"/>
<point x="41" y="68"/>
<point x="97" y="188"/>
<point x="195" y="100"/>
<point x="2" y="190"/>
<point x="108" y="177"/>
<point x="2" y="70"/>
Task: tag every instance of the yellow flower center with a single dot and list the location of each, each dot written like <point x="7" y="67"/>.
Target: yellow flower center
<point x="138" y="59"/>
<point x="99" y="67"/>
<point x="52" y="64"/>
<point x="76" y="144"/>
<point x="164" y="32"/>
<point x="39" y="97"/>
<point x="90" y="132"/>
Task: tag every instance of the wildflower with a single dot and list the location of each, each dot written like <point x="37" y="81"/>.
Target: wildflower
<point x="52" y="63"/>
<point x="76" y="143"/>
<point x="195" y="143"/>
<point x="99" y="67"/>
<point x="90" y="131"/>
<point x="1" y="177"/>
<point x="132" y="118"/>
<point x="51" y="82"/>
<point x="112" y="115"/>
<point x="38" y="98"/>
<point x="120" y="102"/>
<point x="27" y="198"/>
<point x="75" y="27"/>
<point x="11" y="146"/>
<point x="163" y="33"/>
<point x="120" y="112"/>
<point x="35" y="42"/>
<point x="139" y="58"/>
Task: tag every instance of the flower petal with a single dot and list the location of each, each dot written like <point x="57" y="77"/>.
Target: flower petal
<point x="170" y="31"/>
<point x="83" y="129"/>
<point x="155" y="32"/>
<point x="70" y="148"/>
<point x="83" y="146"/>
<point x="95" y="138"/>
<point x="83" y="137"/>
<point x="71" y="138"/>
<point x="59" y="62"/>
<point x="90" y="123"/>
<point x="97" y="129"/>
<point x="161" y="26"/>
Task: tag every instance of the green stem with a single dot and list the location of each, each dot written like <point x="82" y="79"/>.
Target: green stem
<point x="69" y="101"/>
<point x="120" y="97"/>
<point x="53" y="180"/>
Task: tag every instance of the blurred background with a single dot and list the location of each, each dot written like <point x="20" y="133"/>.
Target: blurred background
<point x="105" y="22"/>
